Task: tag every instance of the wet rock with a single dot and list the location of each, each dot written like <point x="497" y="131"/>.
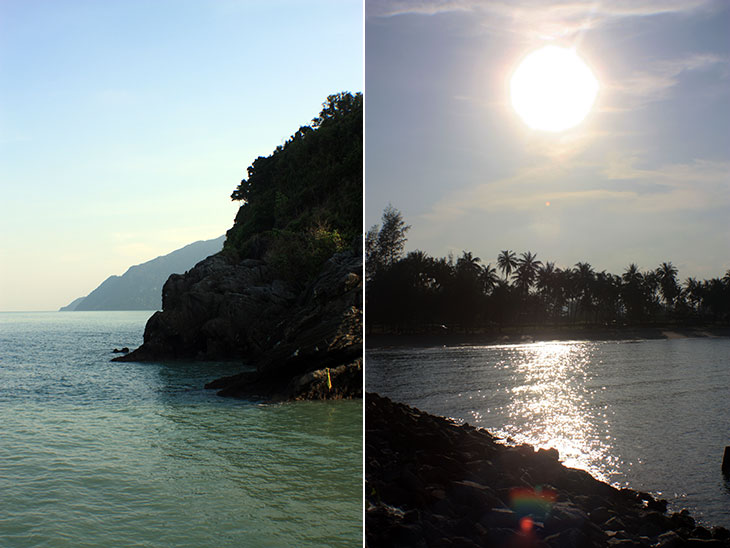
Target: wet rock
<point x="704" y="543"/>
<point x="670" y="539"/>
<point x="682" y="520"/>
<point x="565" y="516"/>
<point x="570" y="538"/>
<point x="600" y="515"/>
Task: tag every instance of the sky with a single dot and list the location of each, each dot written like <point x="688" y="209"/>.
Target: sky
<point x="643" y="179"/>
<point x="125" y="126"/>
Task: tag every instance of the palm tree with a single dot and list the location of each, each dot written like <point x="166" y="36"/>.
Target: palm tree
<point x="667" y="274"/>
<point x="607" y="292"/>
<point x="507" y="261"/>
<point x="650" y="292"/>
<point x="489" y="278"/>
<point x="631" y="291"/>
<point x="585" y="280"/>
<point x="468" y="263"/>
<point x="527" y="267"/>
<point x="693" y="292"/>
<point x="546" y="278"/>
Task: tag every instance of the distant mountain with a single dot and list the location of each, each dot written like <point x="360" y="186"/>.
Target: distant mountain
<point x="72" y="306"/>
<point x="140" y="287"/>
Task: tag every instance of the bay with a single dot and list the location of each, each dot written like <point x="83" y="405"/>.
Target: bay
<point x="96" y="453"/>
<point x="652" y="415"/>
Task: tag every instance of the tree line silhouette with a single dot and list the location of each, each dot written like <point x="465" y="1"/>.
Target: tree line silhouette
<point x="416" y="292"/>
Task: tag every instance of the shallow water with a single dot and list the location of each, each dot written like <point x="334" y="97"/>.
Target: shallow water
<point x="95" y="453"/>
<point x="652" y="415"/>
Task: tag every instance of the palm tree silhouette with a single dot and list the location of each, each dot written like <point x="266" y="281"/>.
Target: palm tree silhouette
<point x="667" y="274"/>
<point x="489" y="278"/>
<point x="527" y="267"/>
<point x="632" y="291"/>
<point x="585" y="277"/>
<point x="507" y="261"/>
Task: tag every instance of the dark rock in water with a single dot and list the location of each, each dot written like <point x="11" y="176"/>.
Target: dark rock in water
<point x="460" y="487"/>
<point x="306" y="342"/>
<point x="124" y="350"/>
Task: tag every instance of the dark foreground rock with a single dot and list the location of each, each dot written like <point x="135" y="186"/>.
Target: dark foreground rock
<point x="305" y="341"/>
<point x="431" y="483"/>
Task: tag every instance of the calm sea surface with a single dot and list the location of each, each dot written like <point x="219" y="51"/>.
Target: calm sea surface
<point x="94" y="453"/>
<point x="651" y="415"/>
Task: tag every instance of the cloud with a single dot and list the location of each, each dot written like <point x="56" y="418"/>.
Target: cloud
<point x="540" y="17"/>
<point x="620" y="187"/>
<point x="642" y="87"/>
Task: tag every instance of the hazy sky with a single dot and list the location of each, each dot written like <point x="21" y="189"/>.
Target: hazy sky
<point x="645" y="178"/>
<point x="125" y="126"/>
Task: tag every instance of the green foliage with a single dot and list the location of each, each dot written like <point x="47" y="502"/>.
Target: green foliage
<point x="297" y="256"/>
<point x="384" y="244"/>
<point x="313" y="180"/>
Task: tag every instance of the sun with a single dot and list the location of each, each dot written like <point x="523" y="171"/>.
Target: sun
<point x="553" y="89"/>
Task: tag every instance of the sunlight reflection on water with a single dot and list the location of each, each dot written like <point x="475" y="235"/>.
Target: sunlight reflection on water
<point x="653" y="415"/>
<point x="552" y="406"/>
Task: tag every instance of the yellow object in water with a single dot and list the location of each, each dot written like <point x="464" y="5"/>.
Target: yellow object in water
<point x="329" y="380"/>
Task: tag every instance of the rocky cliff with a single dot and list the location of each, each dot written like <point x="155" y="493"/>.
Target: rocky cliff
<point x="307" y="343"/>
<point x="285" y="294"/>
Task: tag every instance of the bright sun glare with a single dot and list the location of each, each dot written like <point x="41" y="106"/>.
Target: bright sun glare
<point x="553" y="89"/>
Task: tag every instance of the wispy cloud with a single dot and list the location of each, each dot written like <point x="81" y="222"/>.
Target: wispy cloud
<point x="695" y="186"/>
<point x="655" y="84"/>
<point x="542" y="18"/>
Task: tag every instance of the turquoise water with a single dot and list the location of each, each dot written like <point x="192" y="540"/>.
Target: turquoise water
<point x="95" y="453"/>
<point x="651" y="415"/>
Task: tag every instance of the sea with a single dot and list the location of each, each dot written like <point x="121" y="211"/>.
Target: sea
<point x="652" y="415"/>
<point x="95" y="453"/>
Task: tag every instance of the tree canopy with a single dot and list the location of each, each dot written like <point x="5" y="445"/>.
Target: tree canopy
<point x="308" y="193"/>
<point x="417" y="292"/>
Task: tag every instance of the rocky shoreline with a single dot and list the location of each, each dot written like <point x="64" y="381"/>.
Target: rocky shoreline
<point x="431" y="483"/>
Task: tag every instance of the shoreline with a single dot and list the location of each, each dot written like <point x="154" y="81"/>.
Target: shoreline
<point x="429" y="482"/>
<point x="525" y="335"/>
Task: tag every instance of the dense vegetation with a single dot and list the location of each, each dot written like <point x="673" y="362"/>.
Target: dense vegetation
<point x="416" y="292"/>
<point x="304" y="201"/>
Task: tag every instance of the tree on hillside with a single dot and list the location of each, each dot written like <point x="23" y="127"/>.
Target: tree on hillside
<point x="308" y="190"/>
<point x="384" y="244"/>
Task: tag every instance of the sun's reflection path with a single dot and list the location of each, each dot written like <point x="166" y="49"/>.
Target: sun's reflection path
<point x="553" y="405"/>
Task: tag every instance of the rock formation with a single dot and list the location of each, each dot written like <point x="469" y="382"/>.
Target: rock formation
<point x="306" y="343"/>
<point x="285" y="294"/>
